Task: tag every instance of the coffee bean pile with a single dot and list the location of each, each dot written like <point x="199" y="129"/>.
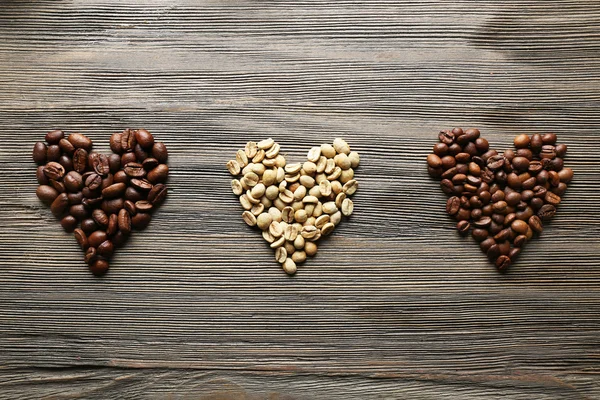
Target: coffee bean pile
<point x="294" y="205"/>
<point x="97" y="197"/>
<point x="504" y="197"/>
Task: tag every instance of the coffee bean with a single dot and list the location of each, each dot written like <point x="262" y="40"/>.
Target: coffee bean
<point x="433" y="160"/>
<point x="39" y="153"/>
<point x="124" y="221"/>
<point x="503" y="262"/>
<point x="140" y="153"/>
<point x="41" y="177"/>
<point x="79" y="211"/>
<point x="73" y="181"/>
<point x="535" y="223"/>
<point x="150" y="163"/>
<point x="144" y="138"/>
<point x="46" y="194"/>
<point x="141" y="184"/>
<point x="80" y="141"/>
<point x="496" y="162"/>
<point x="106" y="249"/>
<point x="132" y="194"/>
<point x="440" y="149"/>
<point x="159" y="151"/>
<point x="114" y="163"/>
<point x="81" y="238"/>
<point x="552" y="199"/>
<point x="88" y="226"/>
<point x="128" y="140"/>
<point x="90" y="256"/>
<point x="113" y="225"/>
<point x="114" y="190"/>
<point x="53" y="153"/>
<point x="99" y="163"/>
<point x="112" y="206"/>
<point x="100" y="217"/>
<point x="59" y="205"/>
<point x="99" y="267"/>
<point x="130" y="207"/>
<point x="157" y="194"/>
<point x="446" y="137"/>
<point x="127" y="158"/>
<point x="96" y="238"/>
<point x="158" y="174"/>
<point x="93" y="181"/>
<point x="80" y="160"/>
<point x="115" y="143"/>
<point x="522" y="141"/>
<point x="69" y="223"/>
<point x="453" y="205"/>
<point x="54" y="170"/>
<point x="479" y="234"/>
<point x="53" y="137"/>
<point x="143" y="206"/>
<point x="463" y="227"/>
<point x="140" y="220"/>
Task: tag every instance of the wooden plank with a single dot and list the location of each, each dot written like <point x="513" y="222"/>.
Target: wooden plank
<point x="396" y="304"/>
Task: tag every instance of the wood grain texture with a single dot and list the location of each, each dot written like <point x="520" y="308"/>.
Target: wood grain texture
<point x="396" y="305"/>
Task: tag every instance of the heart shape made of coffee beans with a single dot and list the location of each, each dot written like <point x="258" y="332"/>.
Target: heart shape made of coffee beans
<point x="101" y="198"/>
<point x="505" y="197"/>
<point x="294" y="205"/>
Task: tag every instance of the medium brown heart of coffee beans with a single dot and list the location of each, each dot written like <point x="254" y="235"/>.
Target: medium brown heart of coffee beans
<point x="505" y="197"/>
<point x="97" y="197"/>
<point x="294" y="205"/>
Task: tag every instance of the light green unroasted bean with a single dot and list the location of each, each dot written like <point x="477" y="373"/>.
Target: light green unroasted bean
<point x="310" y="248"/>
<point x="275" y="214"/>
<point x="287" y="214"/>
<point x="301" y="215"/>
<point x="259" y="157"/>
<point x="233" y="167"/>
<point x="315" y="191"/>
<point x="329" y="208"/>
<point x="268" y="237"/>
<point x="327" y="228"/>
<point x="321" y="221"/>
<point x="280" y="174"/>
<point x="330" y="166"/>
<point x="297" y="205"/>
<point x="258" y="191"/>
<point x="266" y="202"/>
<point x="250" y="149"/>
<point x="272" y="192"/>
<point x="337" y="172"/>
<point x="346" y="175"/>
<point x="236" y="187"/>
<point x="347" y="207"/>
<point x="314" y="154"/>
<point x="341" y="146"/>
<point x="266" y="144"/>
<point x="241" y="158"/>
<point x="251" y="179"/>
<point x="310" y="199"/>
<point x="251" y="198"/>
<point x="275" y="229"/>
<point x="325" y="188"/>
<point x="286" y="196"/>
<point x="290" y="233"/>
<point x="293" y="168"/>
<point x="289" y="266"/>
<point x="246" y="205"/>
<point x="336" y="187"/>
<point x="354" y="159"/>
<point x="282" y="186"/>
<point x="339" y="199"/>
<point x="309" y="167"/>
<point x="249" y="218"/>
<point x="307" y="181"/>
<point x="309" y="221"/>
<point x="299" y="256"/>
<point x="309" y="208"/>
<point x="258" y="168"/>
<point x="280" y="255"/>
<point x="327" y="150"/>
<point x="336" y="218"/>
<point x="269" y="162"/>
<point x="278" y="242"/>
<point x="320" y="178"/>
<point x="280" y="161"/>
<point x="273" y="151"/>
<point x="289" y="246"/>
<point x="318" y="210"/>
<point x="279" y="204"/>
<point x="300" y="193"/>
<point x="289" y="178"/>
<point x="321" y="164"/>
<point x="299" y="242"/>
<point x="257" y="209"/>
<point x="263" y="221"/>
<point x="269" y="177"/>
<point x="342" y="161"/>
<point x="309" y="232"/>
<point x="350" y="187"/>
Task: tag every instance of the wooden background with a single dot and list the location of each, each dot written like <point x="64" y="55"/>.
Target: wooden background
<point x="396" y="305"/>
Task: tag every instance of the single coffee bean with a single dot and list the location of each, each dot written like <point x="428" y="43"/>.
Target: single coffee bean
<point x="159" y="151"/>
<point x="130" y="207"/>
<point x="78" y="211"/>
<point x="58" y="185"/>
<point x="90" y="256"/>
<point x="433" y="160"/>
<point x="159" y="174"/>
<point x="140" y="220"/>
<point x="536" y="142"/>
<point x="127" y="158"/>
<point x="120" y="177"/>
<point x="151" y="163"/>
<point x="80" y="160"/>
<point x="124" y="221"/>
<point x="446" y="137"/>
<point x="59" y="205"/>
<point x="449" y="173"/>
<point x="53" y="153"/>
<point x="53" y="137"/>
<point x="549" y="138"/>
<point x="144" y="138"/>
<point x="69" y="223"/>
<point x="99" y="267"/>
<point x="157" y="194"/>
<point x="73" y="181"/>
<point x="479" y="234"/>
<point x="132" y="194"/>
<point x="496" y="162"/>
<point x="54" y="170"/>
<point x="141" y="184"/>
<point x="114" y="163"/>
<point x="66" y="162"/>
<point x="503" y="235"/>
<point x="119" y="239"/>
<point x="41" y="177"/>
<point x="81" y="238"/>
<point x="482" y="145"/>
<point x="128" y="140"/>
<point x="561" y="150"/>
<point x="114" y="190"/>
<point x="463" y="215"/>
<point x="535" y="223"/>
<point x="115" y="143"/>
<point x="525" y="214"/>
<point x="66" y="147"/>
<point x="75" y="198"/>
<point x="96" y="238"/>
<point x="565" y="175"/>
<point x="88" y="226"/>
<point x="552" y="199"/>
<point x="520" y="241"/>
<point x="440" y="149"/>
<point x="106" y="249"/>
<point x="39" y="153"/>
<point x="113" y="225"/>
<point x="80" y="141"/>
<point x="100" y="218"/>
<point x="447" y="186"/>
<point x="453" y="205"/>
<point x="483" y="222"/>
<point x="509" y="219"/>
<point x="522" y="141"/>
<point x="46" y="194"/>
<point x="463" y="227"/>
<point x="519" y="226"/>
<point x="140" y="153"/>
<point x="112" y="206"/>
<point x="503" y="262"/>
<point x="493" y="252"/>
<point x="520" y="164"/>
<point x="93" y="181"/>
<point x="99" y="162"/>
<point x="500" y="206"/>
<point x="144" y="206"/>
<point x="448" y="162"/>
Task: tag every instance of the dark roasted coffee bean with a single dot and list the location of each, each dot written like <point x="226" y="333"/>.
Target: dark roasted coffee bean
<point x="495" y="228"/>
<point x="114" y="190"/>
<point x="58" y="185"/>
<point x="88" y="225"/>
<point x="119" y="239"/>
<point x="159" y="151"/>
<point x="503" y="235"/>
<point x="115" y="143"/>
<point x="504" y="247"/>
<point x="520" y="164"/>
<point x="78" y="211"/>
<point x="542" y="177"/>
<point x="488" y="176"/>
<point x="39" y="153"/>
<point x="144" y="138"/>
<point x="100" y="218"/>
<point x="513" y="254"/>
<point x="536" y="142"/>
<point x="553" y="178"/>
<point x="446" y="137"/>
<point x="80" y="160"/>
<point x="449" y="173"/>
<point x="476" y="213"/>
<point x="127" y="158"/>
<point x="498" y="218"/>
<point x="448" y="162"/>
<point x="69" y="223"/>
<point x="529" y="183"/>
<point x="462" y="215"/>
<point x="549" y="138"/>
<point x="472" y="134"/>
<point x="99" y="267"/>
<point x="433" y="160"/>
<point x="80" y="141"/>
<point x="73" y="181"/>
<point x="106" y="249"/>
<point x="81" y="238"/>
<point x="90" y="255"/>
<point x="96" y="238"/>
<point x="107" y="181"/>
<point x="59" y="205"/>
<point x="99" y="163"/>
<point x="539" y="191"/>
<point x="66" y="162"/>
<point x="113" y="225"/>
<point x="54" y="170"/>
<point x="503" y="262"/>
<point x="463" y="158"/>
<point x="140" y="153"/>
<point x="151" y="163"/>
<point x="66" y="147"/>
<point x="457" y="131"/>
<point x="133" y="195"/>
<point x="463" y="227"/>
<point x="89" y="194"/>
<point x="462" y="169"/>
<point x="561" y="150"/>
<point x="522" y="141"/>
<point x="114" y="163"/>
<point x="535" y="223"/>
<point x="509" y="219"/>
<point x="548" y="152"/>
<point x="479" y="234"/>
<point x="486" y="244"/>
<point x="140" y="220"/>
<point x="520" y="241"/>
<point x="536" y="203"/>
<point x="143" y="206"/>
<point x="41" y="177"/>
<point x="120" y="177"/>
<point x="513" y="198"/>
<point x="75" y="198"/>
<point x="46" y="194"/>
<point x="128" y="141"/>
<point x="483" y="222"/>
<point x="524" y="153"/>
<point x="53" y="137"/>
<point x="93" y="181"/>
<point x="134" y="170"/>
<point x="124" y="221"/>
<point x="53" y="153"/>
<point x="535" y="167"/>
<point x="489" y="154"/>
<point x="471" y="149"/>
<point x="560" y="189"/>
<point x="493" y="252"/>
<point x="495" y="163"/>
<point x="141" y="184"/>
<point x="130" y="207"/>
<point x="500" y="206"/>
<point x="553" y="199"/>
<point x="440" y="149"/>
<point x="112" y="206"/>
<point x="157" y="194"/>
<point x="482" y="145"/>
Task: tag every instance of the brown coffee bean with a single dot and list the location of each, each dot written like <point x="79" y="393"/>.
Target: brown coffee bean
<point x="453" y="205"/>
<point x="143" y="206"/>
<point x="140" y="153"/>
<point x="500" y="206"/>
<point x="80" y="160"/>
<point x="433" y="160"/>
<point x="140" y="220"/>
<point x="144" y="138"/>
<point x="522" y="141"/>
<point x="99" y="267"/>
<point x="483" y="222"/>
<point x="128" y="140"/>
<point x="503" y="262"/>
<point x="46" y="194"/>
<point x="114" y="163"/>
<point x="141" y="184"/>
<point x="127" y="158"/>
<point x="519" y="226"/>
<point x="130" y="207"/>
<point x="112" y="206"/>
<point x="100" y="217"/>
<point x="114" y="190"/>
<point x="549" y="138"/>
<point x="113" y="225"/>
<point x="535" y="223"/>
<point x="88" y="226"/>
<point x="448" y="162"/>
<point x="447" y="186"/>
<point x="536" y="142"/>
<point x="69" y="223"/>
<point x="440" y="149"/>
<point x="73" y="181"/>
<point x="41" y="177"/>
<point x="53" y="153"/>
<point x="53" y="137"/>
<point x="496" y="162"/>
<point x="493" y="252"/>
<point x="96" y="238"/>
<point x="81" y="238"/>
<point x="520" y="241"/>
<point x="39" y="153"/>
<point x="99" y="162"/>
<point x="561" y="150"/>
<point x="552" y="199"/>
<point x="80" y="141"/>
<point x="66" y="147"/>
<point x="90" y="256"/>
<point x="54" y="170"/>
<point x="93" y="181"/>
<point x="132" y="194"/>
<point x="463" y="227"/>
<point x="503" y="235"/>
<point x="134" y="170"/>
<point x="520" y="164"/>
<point x="446" y="137"/>
<point x="66" y="162"/>
<point x="479" y="234"/>
<point x="79" y="211"/>
<point x="124" y="221"/>
<point x="565" y="175"/>
<point x="59" y="205"/>
<point x="449" y="173"/>
<point x="120" y="177"/>
<point x="106" y="249"/>
<point x="159" y="151"/>
<point x="463" y="215"/>
<point x="157" y="194"/>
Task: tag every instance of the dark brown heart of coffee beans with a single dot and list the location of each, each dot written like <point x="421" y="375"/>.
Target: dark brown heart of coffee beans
<point x="101" y="198"/>
<point x="504" y="198"/>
